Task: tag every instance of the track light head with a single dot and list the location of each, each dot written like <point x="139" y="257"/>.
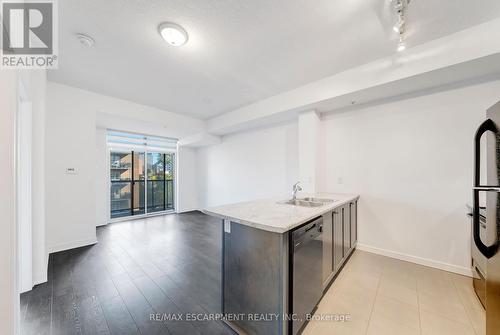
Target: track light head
<point x="401" y="45"/>
<point x="399" y="27"/>
<point x="400" y="7"/>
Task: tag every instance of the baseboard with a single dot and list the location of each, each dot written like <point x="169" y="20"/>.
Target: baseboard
<point x="188" y="210"/>
<point x="417" y="260"/>
<point x="71" y="245"/>
<point x="140" y="217"/>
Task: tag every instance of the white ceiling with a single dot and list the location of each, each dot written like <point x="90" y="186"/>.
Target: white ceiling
<point x="241" y="51"/>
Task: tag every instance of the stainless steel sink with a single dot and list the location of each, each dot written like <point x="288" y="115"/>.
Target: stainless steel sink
<point x="322" y="200"/>
<point x="303" y="203"/>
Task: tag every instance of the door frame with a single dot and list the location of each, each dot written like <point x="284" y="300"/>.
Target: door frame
<point x="24" y="149"/>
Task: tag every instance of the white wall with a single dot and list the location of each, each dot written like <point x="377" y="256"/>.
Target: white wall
<point x="309" y="129"/>
<point x="188" y="197"/>
<point x="70" y="140"/>
<point x="251" y="165"/>
<point x="411" y="161"/>
<point x="8" y="297"/>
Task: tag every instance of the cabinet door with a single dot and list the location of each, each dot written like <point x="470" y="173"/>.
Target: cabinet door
<point x="327" y="247"/>
<point x="346" y="221"/>
<point x="353" y="208"/>
<point x="338" y="239"/>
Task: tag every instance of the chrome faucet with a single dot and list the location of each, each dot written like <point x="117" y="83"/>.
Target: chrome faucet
<point x="296" y="188"/>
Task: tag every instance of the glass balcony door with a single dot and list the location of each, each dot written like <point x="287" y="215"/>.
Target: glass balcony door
<point x="160" y="181"/>
<point x="127" y="183"/>
<point x="141" y="182"/>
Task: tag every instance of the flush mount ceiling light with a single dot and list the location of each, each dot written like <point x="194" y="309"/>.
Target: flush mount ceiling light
<point x="85" y="40"/>
<point x="173" y="34"/>
<point x="401" y="6"/>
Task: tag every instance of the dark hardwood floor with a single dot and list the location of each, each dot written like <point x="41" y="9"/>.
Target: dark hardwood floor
<point x="168" y="264"/>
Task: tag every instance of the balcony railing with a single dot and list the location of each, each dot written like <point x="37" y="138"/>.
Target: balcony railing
<point x="160" y="197"/>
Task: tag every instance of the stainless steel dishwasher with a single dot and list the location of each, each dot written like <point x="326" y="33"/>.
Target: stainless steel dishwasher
<point x="306" y="267"/>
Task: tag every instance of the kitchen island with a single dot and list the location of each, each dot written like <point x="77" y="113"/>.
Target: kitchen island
<point x="279" y="257"/>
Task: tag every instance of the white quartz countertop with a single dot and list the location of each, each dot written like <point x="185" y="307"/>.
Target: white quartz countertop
<point x="271" y="215"/>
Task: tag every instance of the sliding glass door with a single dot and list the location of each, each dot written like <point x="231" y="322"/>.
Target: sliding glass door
<point x="160" y="181"/>
<point x="121" y="184"/>
<point x="141" y="182"/>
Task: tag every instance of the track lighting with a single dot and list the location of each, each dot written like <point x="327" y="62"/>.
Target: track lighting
<point x="399" y="26"/>
<point x="401" y="45"/>
<point x="400" y="7"/>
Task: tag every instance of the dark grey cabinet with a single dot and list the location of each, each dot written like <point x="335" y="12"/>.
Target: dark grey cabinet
<point x="338" y="239"/>
<point x="340" y="236"/>
<point x="346" y="222"/>
<point x="353" y="210"/>
<point x="327" y="247"/>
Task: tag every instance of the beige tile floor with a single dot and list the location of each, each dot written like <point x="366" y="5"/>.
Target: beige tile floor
<point x="385" y="296"/>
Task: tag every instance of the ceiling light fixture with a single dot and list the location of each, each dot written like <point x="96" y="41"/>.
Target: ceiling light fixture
<point x="173" y="34"/>
<point x="85" y="40"/>
<point x="400" y="6"/>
